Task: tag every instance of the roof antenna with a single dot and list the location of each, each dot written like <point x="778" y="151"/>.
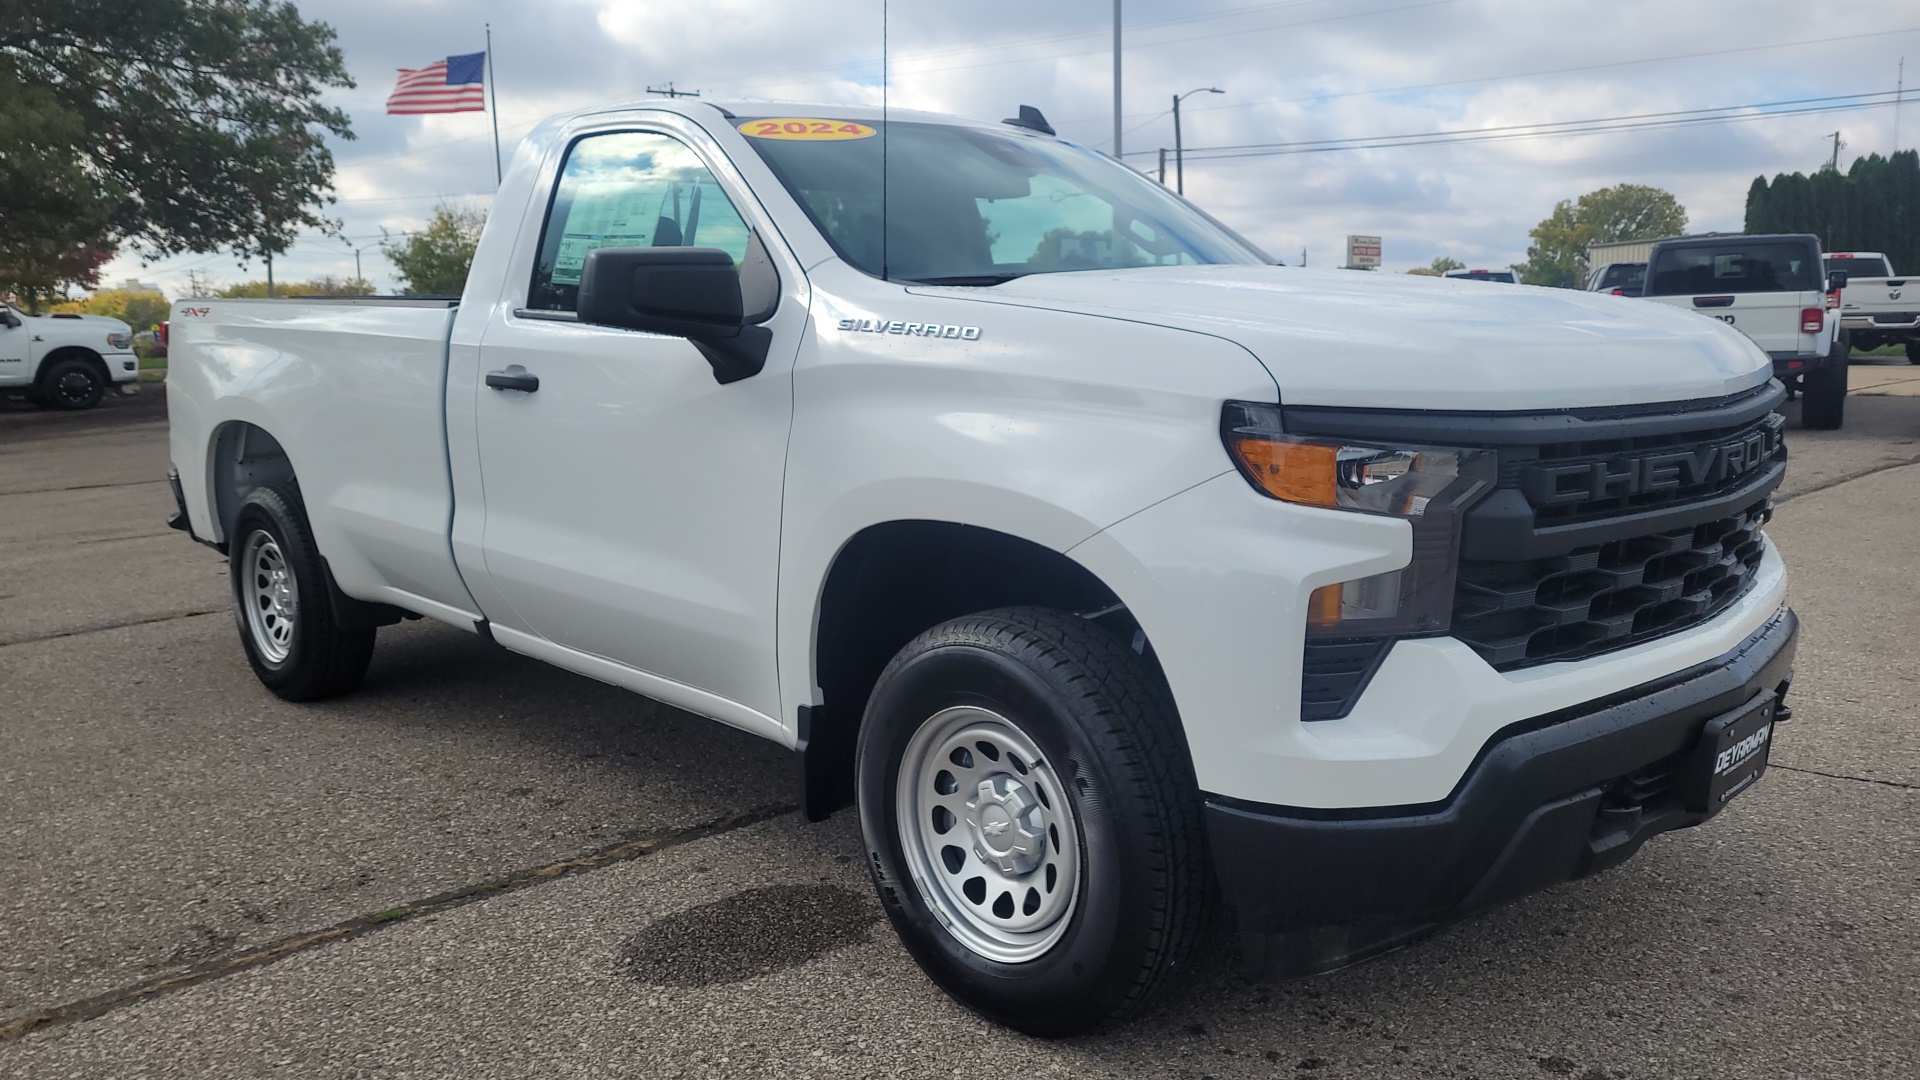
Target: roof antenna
<point x="884" y="230"/>
<point x="1031" y="119"/>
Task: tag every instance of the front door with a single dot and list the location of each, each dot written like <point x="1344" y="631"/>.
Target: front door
<point x="14" y="369"/>
<point x="632" y="502"/>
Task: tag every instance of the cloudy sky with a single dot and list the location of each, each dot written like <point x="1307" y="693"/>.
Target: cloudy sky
<point x="1318" y="75"/>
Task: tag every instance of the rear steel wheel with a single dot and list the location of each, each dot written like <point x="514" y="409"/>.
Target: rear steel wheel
<point x="271" y="595"/>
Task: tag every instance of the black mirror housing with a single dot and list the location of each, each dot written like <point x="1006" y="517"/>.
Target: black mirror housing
<point x="1836" y="280"/>
<point x="692" y="293"/>
<point x="677" y="291"/>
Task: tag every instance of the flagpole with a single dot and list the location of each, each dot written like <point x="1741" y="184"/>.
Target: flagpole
<point x="493" y="108"/>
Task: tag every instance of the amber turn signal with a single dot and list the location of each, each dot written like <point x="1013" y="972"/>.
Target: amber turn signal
<point x="1297" y="472"/>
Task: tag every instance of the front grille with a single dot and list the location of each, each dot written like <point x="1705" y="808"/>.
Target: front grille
<point x="1586" y="481"/>
<point x="1606" y="596"/>
<point x="1334" y="672"/>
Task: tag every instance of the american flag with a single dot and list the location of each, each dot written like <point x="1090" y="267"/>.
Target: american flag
<point x="455" y="84"/>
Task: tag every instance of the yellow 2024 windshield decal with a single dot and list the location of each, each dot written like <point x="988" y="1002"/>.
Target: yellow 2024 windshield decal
<point x="805" y="129"/>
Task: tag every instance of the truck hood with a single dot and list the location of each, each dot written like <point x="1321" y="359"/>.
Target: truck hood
<point x="89" y="325"/>
<point x="1373" y="340"/>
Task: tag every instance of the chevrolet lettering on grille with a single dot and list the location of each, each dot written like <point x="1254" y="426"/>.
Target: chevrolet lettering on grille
<point x="1707" y="465"/>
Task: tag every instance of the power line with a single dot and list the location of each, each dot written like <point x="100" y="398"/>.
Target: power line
<point x="1602" y="126"/>
<point x="1559" y="70"/>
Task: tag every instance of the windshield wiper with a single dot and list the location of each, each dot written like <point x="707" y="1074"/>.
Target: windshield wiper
<point x="972" y="279"/>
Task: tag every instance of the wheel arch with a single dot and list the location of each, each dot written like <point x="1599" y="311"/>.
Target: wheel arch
<point x="893" y="580"/>
<point x="242" y="456"/>
<point x="73" y="352"/>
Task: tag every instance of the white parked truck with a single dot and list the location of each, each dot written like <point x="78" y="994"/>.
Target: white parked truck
<point x="1876" y="307"/>
<point x="1097" y="559"/>
<point x="64" y="361"/>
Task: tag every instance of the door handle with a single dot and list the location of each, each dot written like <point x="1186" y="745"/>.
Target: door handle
<point x="513" y="379"/>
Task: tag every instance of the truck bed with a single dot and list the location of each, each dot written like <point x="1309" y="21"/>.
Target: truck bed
<point x="353" y="389"/>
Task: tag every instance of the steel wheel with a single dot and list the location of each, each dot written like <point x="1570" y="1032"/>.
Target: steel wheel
<point x="989" y="834"/>
<point x="271" y="596"/>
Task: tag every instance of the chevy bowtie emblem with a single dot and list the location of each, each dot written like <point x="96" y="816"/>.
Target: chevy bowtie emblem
<point x="996" y="828"/>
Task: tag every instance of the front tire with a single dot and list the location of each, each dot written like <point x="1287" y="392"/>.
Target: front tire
<point x="72" y="384"/>
<point x="1032" y="819"/>
<point x="282" y="603"/>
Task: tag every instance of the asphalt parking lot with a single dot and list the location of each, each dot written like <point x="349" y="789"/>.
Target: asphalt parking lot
<point x="482" y="866"/>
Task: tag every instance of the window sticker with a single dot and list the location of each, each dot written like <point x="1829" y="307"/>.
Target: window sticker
<point x="805" y="129"/>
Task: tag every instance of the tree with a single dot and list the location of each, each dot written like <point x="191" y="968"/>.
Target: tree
<point x="137" y="308"/>
<point x="1874" y="206"/>
<point x="1558" y="254"/>
<point x="176" y="125"/>
<point x="320" y="286"/>
<point x="1439" y="267"/>
<point x="36" y="271"/>
<point x="434" y="261"/>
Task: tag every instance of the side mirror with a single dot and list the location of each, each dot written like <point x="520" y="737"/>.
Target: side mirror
<point x="9" y="320"/>
<point x="1836" y="280"/>
<point x="692" y="293"/>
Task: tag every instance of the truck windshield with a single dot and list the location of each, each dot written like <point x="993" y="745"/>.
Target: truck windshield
<point x="967" y="206"/>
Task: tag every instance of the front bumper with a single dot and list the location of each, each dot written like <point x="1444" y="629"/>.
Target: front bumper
<point x="1549" y="799"/>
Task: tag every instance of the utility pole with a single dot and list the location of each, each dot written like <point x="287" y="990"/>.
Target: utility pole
<point x="493" y="110"/>
<point x="1116" y="80"/>
<point x="1163" y="166"/>
<point x="1834" y="162"/>
<point x="1303" y="256"/>
<point x="1899" y="95"/>
<point x="356" y="265"/>
<point x="671" y="92"/>
<point x="1179" y="151"/>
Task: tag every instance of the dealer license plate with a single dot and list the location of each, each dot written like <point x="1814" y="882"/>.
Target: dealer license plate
<point x="1732" y="754"/>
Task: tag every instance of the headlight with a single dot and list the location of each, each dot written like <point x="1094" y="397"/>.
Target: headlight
<point x="119" y="341"/>
<point x="1427" y="486"/>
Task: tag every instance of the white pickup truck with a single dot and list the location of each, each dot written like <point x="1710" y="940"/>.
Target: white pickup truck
<point x="64" y="361"/>
<point x="1877" y="308"/>
<point x="1090" y="553"/>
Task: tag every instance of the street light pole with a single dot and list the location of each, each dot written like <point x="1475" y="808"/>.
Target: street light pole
<point x="1179" y="157"/>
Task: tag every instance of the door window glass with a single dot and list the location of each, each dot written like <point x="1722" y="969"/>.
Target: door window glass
<point x="629" y="189"/>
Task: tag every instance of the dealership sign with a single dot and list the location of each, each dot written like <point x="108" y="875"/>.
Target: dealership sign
<point x="1363" y="253"/>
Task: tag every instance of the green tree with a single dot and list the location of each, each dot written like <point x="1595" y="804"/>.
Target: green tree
<point x="1873" y="206"/>
<point x="175" y="125"/>
<point x="137" y="308"/>
<point x="434" y="261"/>
<point x="320" y="286"/>
<point x="1439" y="267"/>
<point x="1558" y="254"/>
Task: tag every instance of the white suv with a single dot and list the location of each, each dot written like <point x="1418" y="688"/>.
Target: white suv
<point x="1772" y="289"/>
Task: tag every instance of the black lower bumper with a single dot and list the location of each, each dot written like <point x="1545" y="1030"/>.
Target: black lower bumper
<point x="1549" y="799"/>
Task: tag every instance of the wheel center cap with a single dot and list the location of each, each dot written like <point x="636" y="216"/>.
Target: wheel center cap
<point x="1009" y="825"/>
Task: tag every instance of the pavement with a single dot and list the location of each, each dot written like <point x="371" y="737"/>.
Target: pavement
<point x="482" y="866"/>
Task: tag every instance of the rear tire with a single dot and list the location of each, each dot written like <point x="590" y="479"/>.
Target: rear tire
<point x="283" y="604"/>
<point x="1034" y="753"/>
<point x="1913" y="352"/>
<point x="72" y="384"/>
<point x="1823" y="398"/>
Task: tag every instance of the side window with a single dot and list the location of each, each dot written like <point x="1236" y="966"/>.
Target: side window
<point x="629" y="189"/>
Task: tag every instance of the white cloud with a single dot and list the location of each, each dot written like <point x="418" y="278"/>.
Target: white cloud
<point x="1293" y="69"/>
